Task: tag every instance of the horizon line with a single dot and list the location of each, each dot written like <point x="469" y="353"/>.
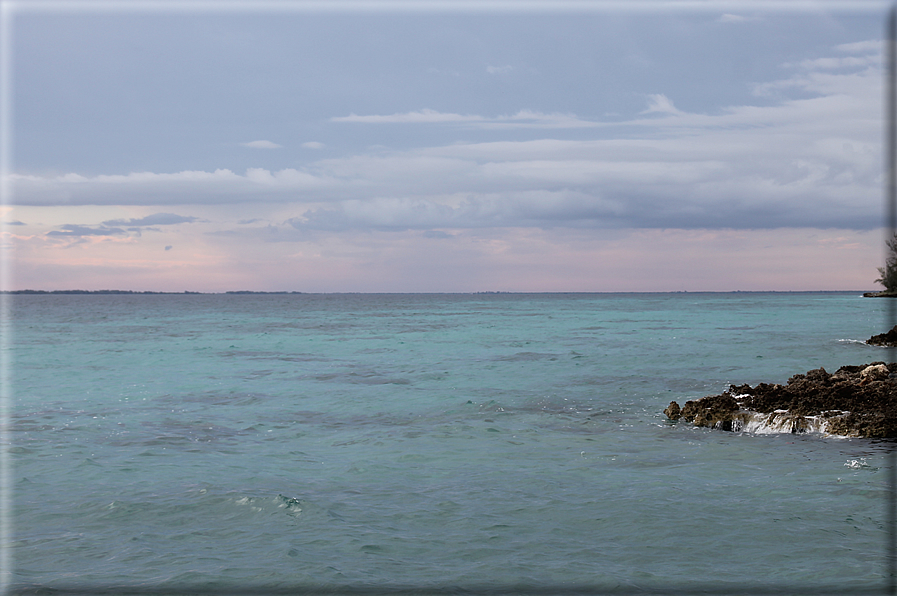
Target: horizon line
<point x="471" y="292"/>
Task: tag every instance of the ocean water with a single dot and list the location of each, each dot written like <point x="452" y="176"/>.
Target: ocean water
<point x="459" y="441"/>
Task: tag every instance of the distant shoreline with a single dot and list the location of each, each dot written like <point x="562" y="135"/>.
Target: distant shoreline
<point x="130" y="292"/>
<point x="285" y="292"/>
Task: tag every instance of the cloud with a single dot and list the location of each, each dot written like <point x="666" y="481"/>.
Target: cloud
<point x="832" y="63"/>
<point x="313" y="145"/>
<point x="660" y="103"/>
<point x="437" y="234"/>
<point x="531" y="119"/>
<point x="15" y="223"/>
<point x="522" y="119"/>
<point x="157" y="219"/>
<point x="169" y="247"/>
<point x="523" y="209"/>
<point x="870" y="46"/>
<point x="71" y="230"/>
<point x="110" y="227"/>
<point x="262" y="145"/>
<point x="811" y="159"/>
<point x="425" y="116"/>
<point x="735" y="18"/>
<point x="149" y="188"/>
<point x="499" y="69"/>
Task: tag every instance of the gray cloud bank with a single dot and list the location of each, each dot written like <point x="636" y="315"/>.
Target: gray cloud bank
<point x="110" y="228"/>
<point x="157" y="219"/>
<point x="811" y="161"/>
<point x="74" y="230"/>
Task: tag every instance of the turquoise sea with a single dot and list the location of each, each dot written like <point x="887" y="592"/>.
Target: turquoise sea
<point x="241" y="443"/>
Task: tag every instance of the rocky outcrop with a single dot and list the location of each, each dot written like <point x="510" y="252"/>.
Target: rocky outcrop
<point x="888" y="339"/>
<point x="855" y="401"/>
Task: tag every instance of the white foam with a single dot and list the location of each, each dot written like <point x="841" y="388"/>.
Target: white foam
<point x="856" y="464"/>
<point x="781" y="422"/>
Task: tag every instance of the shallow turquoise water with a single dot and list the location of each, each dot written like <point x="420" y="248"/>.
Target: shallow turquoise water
<point x="432" y="440"/>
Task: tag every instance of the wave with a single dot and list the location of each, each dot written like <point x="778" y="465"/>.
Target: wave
<point x="784" y="422"/>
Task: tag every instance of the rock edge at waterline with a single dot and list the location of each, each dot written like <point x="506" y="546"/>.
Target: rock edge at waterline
<point x="854" y="401"/>
<point x="888" y="340"/>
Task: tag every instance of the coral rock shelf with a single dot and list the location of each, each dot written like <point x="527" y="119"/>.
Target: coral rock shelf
<point x="854" y="401"/>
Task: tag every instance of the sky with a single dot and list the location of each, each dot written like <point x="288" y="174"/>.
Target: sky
<point x="460" y="147"/>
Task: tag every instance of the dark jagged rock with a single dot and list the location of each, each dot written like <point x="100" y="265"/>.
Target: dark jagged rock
<point x="673" y="412"/>
<point x="717" y="410"/>
<point x="888" y="339"/>
<point x="855" y="401"/>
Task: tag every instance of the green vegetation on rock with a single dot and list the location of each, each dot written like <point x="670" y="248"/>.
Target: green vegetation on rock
<point x="889" y="272"/>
